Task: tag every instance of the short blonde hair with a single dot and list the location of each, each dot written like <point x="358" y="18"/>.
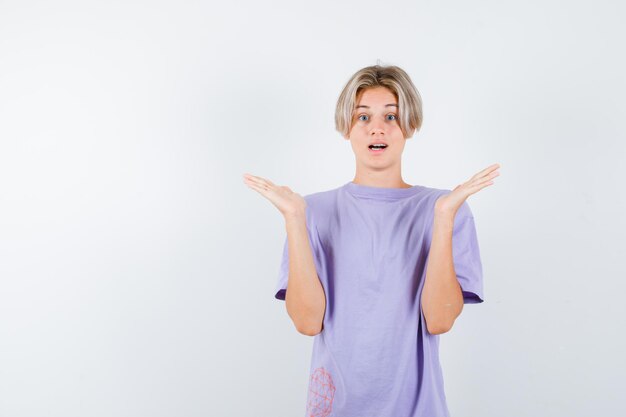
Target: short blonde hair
<point x="391" y="77"/>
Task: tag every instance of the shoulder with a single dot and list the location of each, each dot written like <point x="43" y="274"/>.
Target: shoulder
<point x="321" y="199"/>
<point x="321" y="204"/>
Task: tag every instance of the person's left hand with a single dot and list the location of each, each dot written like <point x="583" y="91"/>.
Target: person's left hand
<point x="450" y="203"/>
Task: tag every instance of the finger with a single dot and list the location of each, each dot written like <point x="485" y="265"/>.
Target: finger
<point x="253" y="178"/>
<point x="486" y="171"/>
<point x="481" y="184"/>
<point x="478" y="181"/>
<point x="258" y="179"/>
<point x="261" y="188"/>
<point x="492" y="174"/>
<point x="261" y="181"/>
<point x="476" y="188"/>
<point x="489" y="177"/>
<point x="484" y="176"/>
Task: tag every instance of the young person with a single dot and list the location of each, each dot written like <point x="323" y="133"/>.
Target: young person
<point x="377" y="269"/>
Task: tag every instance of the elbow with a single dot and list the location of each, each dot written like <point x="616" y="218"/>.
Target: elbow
<point x="307" y="324"/>
<point x="439" y="328"/>
<point x="309" y="330"/>
<point x="308" y="320"/>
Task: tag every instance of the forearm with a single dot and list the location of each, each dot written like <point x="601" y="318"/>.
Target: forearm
<point x="305" y="298"/>
<point x="442" y="298"/>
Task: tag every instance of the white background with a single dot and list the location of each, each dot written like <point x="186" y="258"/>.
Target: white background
<point x="137" y="269"/>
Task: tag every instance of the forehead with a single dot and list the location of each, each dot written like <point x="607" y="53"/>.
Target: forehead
<point x="376" y="97"/>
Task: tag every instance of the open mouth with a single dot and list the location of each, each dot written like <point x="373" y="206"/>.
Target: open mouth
<point x="377" y="148"/>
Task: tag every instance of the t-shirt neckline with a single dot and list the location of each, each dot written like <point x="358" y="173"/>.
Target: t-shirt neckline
<point x="383" y="192"/>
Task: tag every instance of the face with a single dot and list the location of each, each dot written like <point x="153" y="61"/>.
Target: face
<point x="375" y="120"/>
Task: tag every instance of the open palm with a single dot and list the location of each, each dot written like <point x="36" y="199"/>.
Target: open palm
<point x="451" y="202"/>
<point x="287" y="201"/>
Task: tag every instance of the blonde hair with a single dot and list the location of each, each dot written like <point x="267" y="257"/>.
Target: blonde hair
<point x="391" y="77"/>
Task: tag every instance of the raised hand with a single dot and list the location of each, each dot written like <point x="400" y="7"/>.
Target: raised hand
<point x="285" y="200"/>
<point x="450" y="203"/>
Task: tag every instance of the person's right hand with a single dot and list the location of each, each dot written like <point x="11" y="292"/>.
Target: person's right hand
<point x="288" y="202"/>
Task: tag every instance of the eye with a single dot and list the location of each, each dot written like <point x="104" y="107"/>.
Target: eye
<point x="393" y="115"/>
<point x="363" y="115"/>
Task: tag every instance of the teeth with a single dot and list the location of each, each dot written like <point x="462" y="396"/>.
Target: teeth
<point x="378" y="146"/>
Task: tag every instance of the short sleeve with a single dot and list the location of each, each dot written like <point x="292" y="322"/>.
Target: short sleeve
<point x="280" y="290"/>
<point x="466" y="256"/>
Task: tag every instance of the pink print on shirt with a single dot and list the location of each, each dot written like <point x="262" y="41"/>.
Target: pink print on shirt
<point x="321" y="394"/>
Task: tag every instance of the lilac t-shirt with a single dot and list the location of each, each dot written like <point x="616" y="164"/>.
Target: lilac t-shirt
<point x="374" y="356"/>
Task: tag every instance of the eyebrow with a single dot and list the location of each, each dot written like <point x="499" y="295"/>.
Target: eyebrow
<point x="386" y="105"/>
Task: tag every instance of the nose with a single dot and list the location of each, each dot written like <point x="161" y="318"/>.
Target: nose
<point x="377" y="127"/>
